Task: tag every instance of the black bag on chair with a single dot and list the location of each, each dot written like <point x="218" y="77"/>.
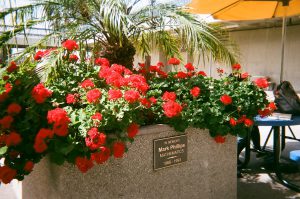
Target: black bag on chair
<point x="286" y="99"/>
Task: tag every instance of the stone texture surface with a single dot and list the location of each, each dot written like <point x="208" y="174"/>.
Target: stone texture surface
<point x="209" y="173"/>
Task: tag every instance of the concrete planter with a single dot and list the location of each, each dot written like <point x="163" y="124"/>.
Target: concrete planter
<point x="209" y="173"/>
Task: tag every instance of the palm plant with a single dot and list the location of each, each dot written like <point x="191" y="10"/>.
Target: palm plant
<point x="117" y="28"/>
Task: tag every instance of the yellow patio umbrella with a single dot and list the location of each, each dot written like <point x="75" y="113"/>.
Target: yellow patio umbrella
<point x="239" y="10"/>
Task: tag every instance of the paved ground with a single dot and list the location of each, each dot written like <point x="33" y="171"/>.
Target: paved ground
<point x="258" y="179"/>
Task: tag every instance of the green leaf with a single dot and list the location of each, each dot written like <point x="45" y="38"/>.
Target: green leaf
<point x="3" y="150"/>
<point x="57" y="158"/>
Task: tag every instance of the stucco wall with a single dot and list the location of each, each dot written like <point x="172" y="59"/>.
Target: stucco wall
<point x="209" y="173"/>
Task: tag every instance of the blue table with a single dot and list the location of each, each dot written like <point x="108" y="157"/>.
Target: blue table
<point x="276" y="126"/>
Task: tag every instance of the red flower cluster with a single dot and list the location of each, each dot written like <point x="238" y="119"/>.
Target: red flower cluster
<point x="181" y="75"/>
<point x="13" y="139"/>
<point x="40" y="93"/>
<point x="40" y="54"/>
<point x="28" y="166"/>
<point x="95" y="139"/>
<point x="174" y="61"/>
<point x="102" y="156"/>
<point x="167" y="96"/>
<point x="71" y="99"/>
<point x="172" y="108"/>
<point x="97" y="116"/>
<point x="245" y="75"/>
<point x="268" y="110"/>
<point x="220" y="139"/>
<point x="119" y="149"/>
<point x="195" y="91"/>
<point x="40" y="140"/>
<point x="60" y="120"/>
<point x="93" y="95"/>
<point x="12" y="67"/>
<point x="202" y="73"/>
<point x="189" y="67"/>
<point x="87" y="84"/>
<point x="14" y="109"/>
<point x="236" y="67"/>
<point x="132" y="130"/>
<point x="84" y="164"/>
<point x="114" y="94"/>
<point x="226" y="99"/>
<point x="6" y="121"/>
<point x="70" y="45"/>
<point x="243" y="119"/>
<point x="261" y="82"/>
<point x="102" y="62"/>
<point x="7" y="174"/>
<point x="73" y="58"/>
<point x="131" y="96"/>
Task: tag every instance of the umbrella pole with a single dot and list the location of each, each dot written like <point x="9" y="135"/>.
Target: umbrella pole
<point x="283" y="33"/>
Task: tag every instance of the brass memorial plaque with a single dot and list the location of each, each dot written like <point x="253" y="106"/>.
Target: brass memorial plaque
<point x="169" y="151"/>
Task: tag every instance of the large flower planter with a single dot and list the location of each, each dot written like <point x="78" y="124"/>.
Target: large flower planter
<point x="209" y="172"/>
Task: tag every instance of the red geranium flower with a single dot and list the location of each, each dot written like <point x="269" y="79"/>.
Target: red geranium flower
<point x="102" y="62"/>
<point x="232" y="122"/>
<point x="87" y="84"/>
<point x="97" y="116"/>
<point x="160" y="64"/>
<point x="272" y="106"/>
<point x="174" y="61"/>
<point x="38" y="55"/>
<point x="40" y="143"/>
<point x="7" y="174"/>
<point x="172" y="109"/>
<point x="226" y="99"/>
<point x="142" y="65"/>
<point x="40" y="146"/>
<point x="6" y="121"/>
<point x="145" y="102"/>
<point x="169" y="96"/>
<point x="261" y="82"/>
<point x="8" y="87"/>
<point x="202" y="73"/>
<point x="5" y="77"/>
<point x="93" y="96"/>
<point x="60" y="119"/>
<point x="95" y="139"/>
<point x="131" y="96"/>
<point x="195" y="91"/>
<point x="71" y="99"/>
<point x="245" y="75"/>
<point x="13" y="139"/>
<point x="248" y="122"/>
<point x="114" y="94"/>
<point x="132" y="130"/>
<point x="73" y="58"/>
<point x="83" y="164"/>
<point x="118" y="149"/>
<point x="220" y="139"/>
<point x="40" y="93"/>
<point x="153" y="68"/>
<point x="28" y="166"/>
<point x="181" y="75"/>
<point x="102" y="156"/>
<point x="14" y="109"/>
<point x="12" y="67"/>
<point x="153" y="100"/>
<point x="70" y="45"/>
<point x="236" y="66"/>
<point x="189" y="67"/>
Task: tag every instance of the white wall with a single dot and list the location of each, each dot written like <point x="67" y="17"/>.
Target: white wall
<point x="261" y="53"/>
